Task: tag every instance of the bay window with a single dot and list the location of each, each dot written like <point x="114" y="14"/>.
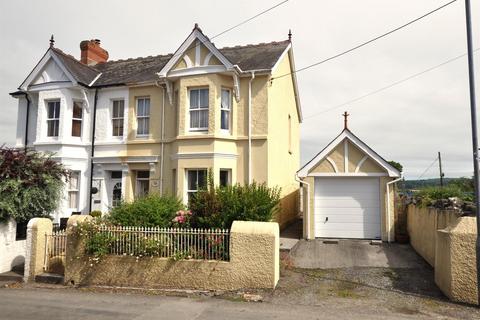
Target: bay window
<point x="77" y="116"/>
<point x="53" y="118"/>
<point x="225" y="109"/>
<point x="198" y="109"/>
<point x="196" y="179"/>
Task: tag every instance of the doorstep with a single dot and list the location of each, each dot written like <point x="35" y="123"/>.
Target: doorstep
<point x="51" y="278"/>
<point x="11" y="276"/>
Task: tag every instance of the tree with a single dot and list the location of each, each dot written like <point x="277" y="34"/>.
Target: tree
<point x="396" y="165"/>
<point x="31" y="184"/>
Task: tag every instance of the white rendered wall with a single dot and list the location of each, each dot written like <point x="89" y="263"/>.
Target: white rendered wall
<point x="12" y="252"/>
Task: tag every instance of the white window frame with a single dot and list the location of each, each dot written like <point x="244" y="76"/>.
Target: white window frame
<point x="223" y="109"/>
<point x="80" y="104"/>
<point x="75" y="189"/>
<point x="188" y="191"/>
<point x="143" y="116"/>
<point x="199" y="109"/>
<point x="119" y="117"/>
<point x="229" y="176"/>
<point x="137" y="183"/>
<point x="56" y="117"/>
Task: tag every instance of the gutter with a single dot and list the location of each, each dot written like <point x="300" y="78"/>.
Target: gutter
<point x="307" y="218"/>
<point x="92" y="154"/>
<point x="250" y="127"/>
<point x="388" y="205"/>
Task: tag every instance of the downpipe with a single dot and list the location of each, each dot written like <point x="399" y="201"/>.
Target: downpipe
<point x="389" y="207"/>
<point x="307" y="218"/>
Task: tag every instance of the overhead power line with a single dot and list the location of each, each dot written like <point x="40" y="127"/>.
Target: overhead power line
<point x="366" y="42"/>
<point x="249" y="19"/>
<point x="391" y="85"/>
<point x="428" y="168"/>
<point x="196" y="44"/>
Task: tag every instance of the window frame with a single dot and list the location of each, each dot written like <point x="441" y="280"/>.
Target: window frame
<point x="137" y="182"/>
<point x="198" y="109"/>
<point x="54" y="119"/>
<point x="143" y="117"/>
<point x="229" y="109"/>
<point x="120" y="117"/>
<point x="187" y="184"/>
<point x="229" y="177"/>
<point x="76" y="190"/>
<point x="79" y="104"/>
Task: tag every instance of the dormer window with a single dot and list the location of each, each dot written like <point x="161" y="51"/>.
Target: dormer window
<point x="77" y="116"/>
<point x="53" y="118"/>
<point x="198" y="109"/>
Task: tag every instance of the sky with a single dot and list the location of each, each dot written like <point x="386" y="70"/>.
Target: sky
<point x="408" y="123"/>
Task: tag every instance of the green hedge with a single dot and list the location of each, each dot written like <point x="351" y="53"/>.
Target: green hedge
<point x="218" y="207"/>
<point x="150" y="211"/>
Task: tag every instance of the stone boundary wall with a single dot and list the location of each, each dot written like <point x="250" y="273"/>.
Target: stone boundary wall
<point x="12" y="251"/>
<point x="447" y="242"/>
<point x="254" y="263"/>
<point x="422" y="226"/>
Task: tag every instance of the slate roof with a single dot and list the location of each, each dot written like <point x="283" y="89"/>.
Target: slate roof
<point x="82" y="73"/>
<point x="261" y="56"/>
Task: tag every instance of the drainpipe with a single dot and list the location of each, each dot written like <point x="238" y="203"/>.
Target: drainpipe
<point x="250" y="127"/>
<point x="307" y="221"/>
<point x="388" y="205"/>
<point x="92" y="154"/>
<point x="26" y="120"/>
<point x="162" y="136"/>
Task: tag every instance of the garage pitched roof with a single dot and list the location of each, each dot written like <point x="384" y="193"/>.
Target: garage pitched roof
<point x="347" y="134"/>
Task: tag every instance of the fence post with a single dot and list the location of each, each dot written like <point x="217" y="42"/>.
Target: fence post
<point x="35" y="255"/>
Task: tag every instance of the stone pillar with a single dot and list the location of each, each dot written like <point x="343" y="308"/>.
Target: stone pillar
<point x="75" y="246"/>
<point x="255" y="254"/>
<point x="455" y="265"/>
<point x="35" y="256"/>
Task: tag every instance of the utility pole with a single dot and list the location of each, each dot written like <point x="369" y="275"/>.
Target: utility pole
<point x="473" y="115"/>
<point x="440" y="167"/>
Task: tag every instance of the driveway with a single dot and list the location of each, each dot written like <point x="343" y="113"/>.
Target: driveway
<point x="328" y="254"/>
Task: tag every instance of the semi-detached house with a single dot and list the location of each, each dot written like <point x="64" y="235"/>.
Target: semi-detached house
<point x="160" y="122"/>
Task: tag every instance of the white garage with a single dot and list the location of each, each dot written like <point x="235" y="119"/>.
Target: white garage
<point x="347" y="192"/>
<point x="347" y="208"/>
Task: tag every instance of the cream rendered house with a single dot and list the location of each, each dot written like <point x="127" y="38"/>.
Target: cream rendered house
<point x="161" y="122"/>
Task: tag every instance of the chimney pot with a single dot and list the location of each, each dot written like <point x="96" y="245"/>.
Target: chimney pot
<point x="92" y="53"/>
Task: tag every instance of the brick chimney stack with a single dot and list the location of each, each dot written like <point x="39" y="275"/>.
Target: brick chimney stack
<point x="92" y="53"/>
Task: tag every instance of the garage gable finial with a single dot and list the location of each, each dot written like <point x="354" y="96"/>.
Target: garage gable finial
<point x="345" y="121"/>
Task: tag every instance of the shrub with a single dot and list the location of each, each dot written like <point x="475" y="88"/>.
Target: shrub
<point x="150" y="211"/>
<point x="218" y="207"/>
<point x="427" y="196"/>
<point x="31" y="184"/>
<point x="96" y="213"/>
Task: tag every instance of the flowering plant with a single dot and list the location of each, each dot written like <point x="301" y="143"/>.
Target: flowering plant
<point x="182" y="219"/>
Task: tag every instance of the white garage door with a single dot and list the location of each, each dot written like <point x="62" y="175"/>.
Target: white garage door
<point x="347" y="208"/>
